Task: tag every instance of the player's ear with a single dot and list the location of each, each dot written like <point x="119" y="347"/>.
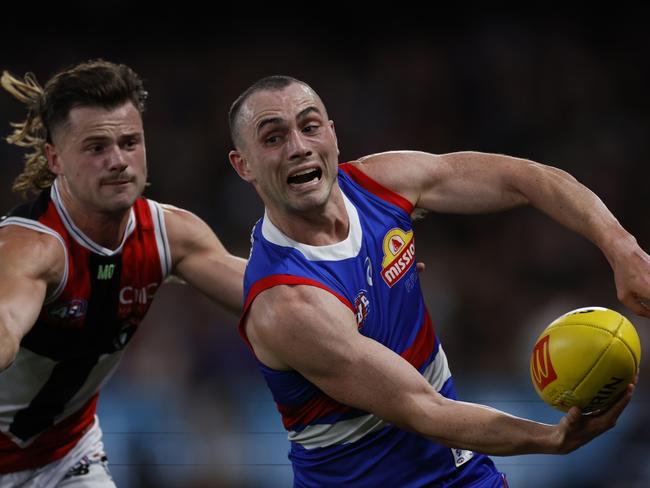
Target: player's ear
<point x="241" y="165"/>
<point x="336" y="141"/>
<point x="53" y="160"/>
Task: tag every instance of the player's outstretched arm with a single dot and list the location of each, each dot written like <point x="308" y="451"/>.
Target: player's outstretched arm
<point x="471" y="182"/>
<point x="199" y="258"/>
<point x="29" y="262"/>
<point x="306" y="329"/>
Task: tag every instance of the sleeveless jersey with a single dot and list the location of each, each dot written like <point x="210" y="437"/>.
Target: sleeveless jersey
<point x="49" y="393"/>
<point x="373" y="273"/>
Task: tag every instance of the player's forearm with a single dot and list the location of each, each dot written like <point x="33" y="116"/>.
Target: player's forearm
<point x="484" y="429"/>
<point x="567" y="201"/>
<point x="220" y="278"/>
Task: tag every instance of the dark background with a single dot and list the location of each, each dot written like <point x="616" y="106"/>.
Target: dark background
<point x="187" y="407"/>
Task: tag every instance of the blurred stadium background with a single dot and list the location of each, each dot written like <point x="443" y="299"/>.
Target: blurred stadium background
<point x="188" y="407"/>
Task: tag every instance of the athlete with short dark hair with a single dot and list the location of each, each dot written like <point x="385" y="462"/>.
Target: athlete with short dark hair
<point x="334" y="312"/>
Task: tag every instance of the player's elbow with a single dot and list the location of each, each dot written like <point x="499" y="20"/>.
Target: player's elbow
<point x="419" y="411"/>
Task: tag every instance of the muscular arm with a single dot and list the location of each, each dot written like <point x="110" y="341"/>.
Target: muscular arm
<point x="199" y="258"/>
<point x="471" y="182"/>
<point x="308" y="330"/>
<point x="29" y="263"/>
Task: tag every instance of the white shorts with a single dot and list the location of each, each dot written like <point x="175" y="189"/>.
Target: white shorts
<point x="85" y="466"/>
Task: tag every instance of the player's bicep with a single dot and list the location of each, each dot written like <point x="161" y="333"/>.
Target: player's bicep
<point x="463" y="182"/>
<point x="21" y="299"/>
<point x="29" y="263"/>
<point x="470" y="182"/>
<point x="311" y="331"/>
<point x="199" y="258"/>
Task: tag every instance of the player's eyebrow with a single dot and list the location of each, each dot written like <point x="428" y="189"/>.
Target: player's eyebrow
<point x="103" y="137"/>
<point x="307" y="111"/>
<point x="267" y="121"/>
<point x="93" y="138"/>
<point x="279" y="120"/>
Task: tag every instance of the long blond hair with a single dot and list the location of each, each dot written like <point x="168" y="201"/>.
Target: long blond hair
<point x="30" y="134"/>
<point x="94" y="83"/>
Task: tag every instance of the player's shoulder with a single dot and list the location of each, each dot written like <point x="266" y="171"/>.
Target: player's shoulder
<point x="41" y="252"/>
<point x="294" y="304"/>
<point x="179" y="223"/>
<point x="29" y="239"/>
<point x="402" y="172"/>
<point x="178" y="217"/>
<point x="188" y="233"/>
<point x="284" y="316"/>
<point x="383" y="164"/>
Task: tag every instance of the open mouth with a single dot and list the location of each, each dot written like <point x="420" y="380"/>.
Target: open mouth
<point x="305" y="176"/>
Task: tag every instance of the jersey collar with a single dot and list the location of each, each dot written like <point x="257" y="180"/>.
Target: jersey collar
<point x="78" y="235"/>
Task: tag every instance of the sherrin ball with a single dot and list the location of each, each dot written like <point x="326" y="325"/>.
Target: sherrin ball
<point x="586" y="357"/>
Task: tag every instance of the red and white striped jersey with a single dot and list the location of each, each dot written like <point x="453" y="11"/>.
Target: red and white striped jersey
<point x="49" y="394"/>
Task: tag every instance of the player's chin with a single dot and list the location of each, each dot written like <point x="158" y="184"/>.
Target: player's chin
<point x="306" y="203"/>
<point x="120" y="202"/>
<point x="127" y="192"/>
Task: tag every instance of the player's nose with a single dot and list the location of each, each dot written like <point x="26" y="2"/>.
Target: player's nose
<point x="297" y="145"/>
<point x="116" y="159"/>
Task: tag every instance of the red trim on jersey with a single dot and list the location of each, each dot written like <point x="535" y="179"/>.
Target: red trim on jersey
<point x="378" y="189"/>
<point x="143" y="215"/>
<point x="53" y="444"/>
<point x="423" y="345"/>
<point x="51" y="218"/>
<point x="322" y="405"/>
<point x="317" y="407"/>
<point x="281" y="279"/>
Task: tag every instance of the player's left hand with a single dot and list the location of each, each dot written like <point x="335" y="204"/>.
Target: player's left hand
<point x="577" y="429"/>
<point x="632" y="277"/>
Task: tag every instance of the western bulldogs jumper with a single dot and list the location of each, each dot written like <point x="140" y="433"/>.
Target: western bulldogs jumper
<point x="372" y="272"/>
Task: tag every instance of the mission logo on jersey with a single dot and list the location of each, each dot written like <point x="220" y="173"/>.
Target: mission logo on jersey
<point x="399" y="255"/>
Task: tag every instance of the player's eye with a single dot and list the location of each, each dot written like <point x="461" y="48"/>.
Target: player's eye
<point x="270" y="140"/>
<point x="95" y="148"/>
<point x="130" y="143"/>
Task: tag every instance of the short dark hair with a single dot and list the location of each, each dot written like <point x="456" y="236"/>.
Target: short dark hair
<point x="95" y="83"/>
<point x="272" y="83"/>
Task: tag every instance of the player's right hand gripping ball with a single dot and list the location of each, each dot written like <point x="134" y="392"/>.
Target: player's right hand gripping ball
<point x="586" y="357"/>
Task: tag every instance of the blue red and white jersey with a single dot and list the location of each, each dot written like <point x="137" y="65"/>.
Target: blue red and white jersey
<point x="49" y="393"/>
<point x="373" y="273"/>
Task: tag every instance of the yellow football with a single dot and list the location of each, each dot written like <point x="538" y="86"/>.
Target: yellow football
<point x="586" y="357"/>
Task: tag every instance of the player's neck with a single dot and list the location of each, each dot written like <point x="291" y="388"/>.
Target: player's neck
<point x="103" y="228"/>
<point x="319" y="227"/>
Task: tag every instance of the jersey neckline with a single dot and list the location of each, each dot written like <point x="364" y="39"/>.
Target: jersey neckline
<point x="82" y="238"/>
<point x="345" y="249"/>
